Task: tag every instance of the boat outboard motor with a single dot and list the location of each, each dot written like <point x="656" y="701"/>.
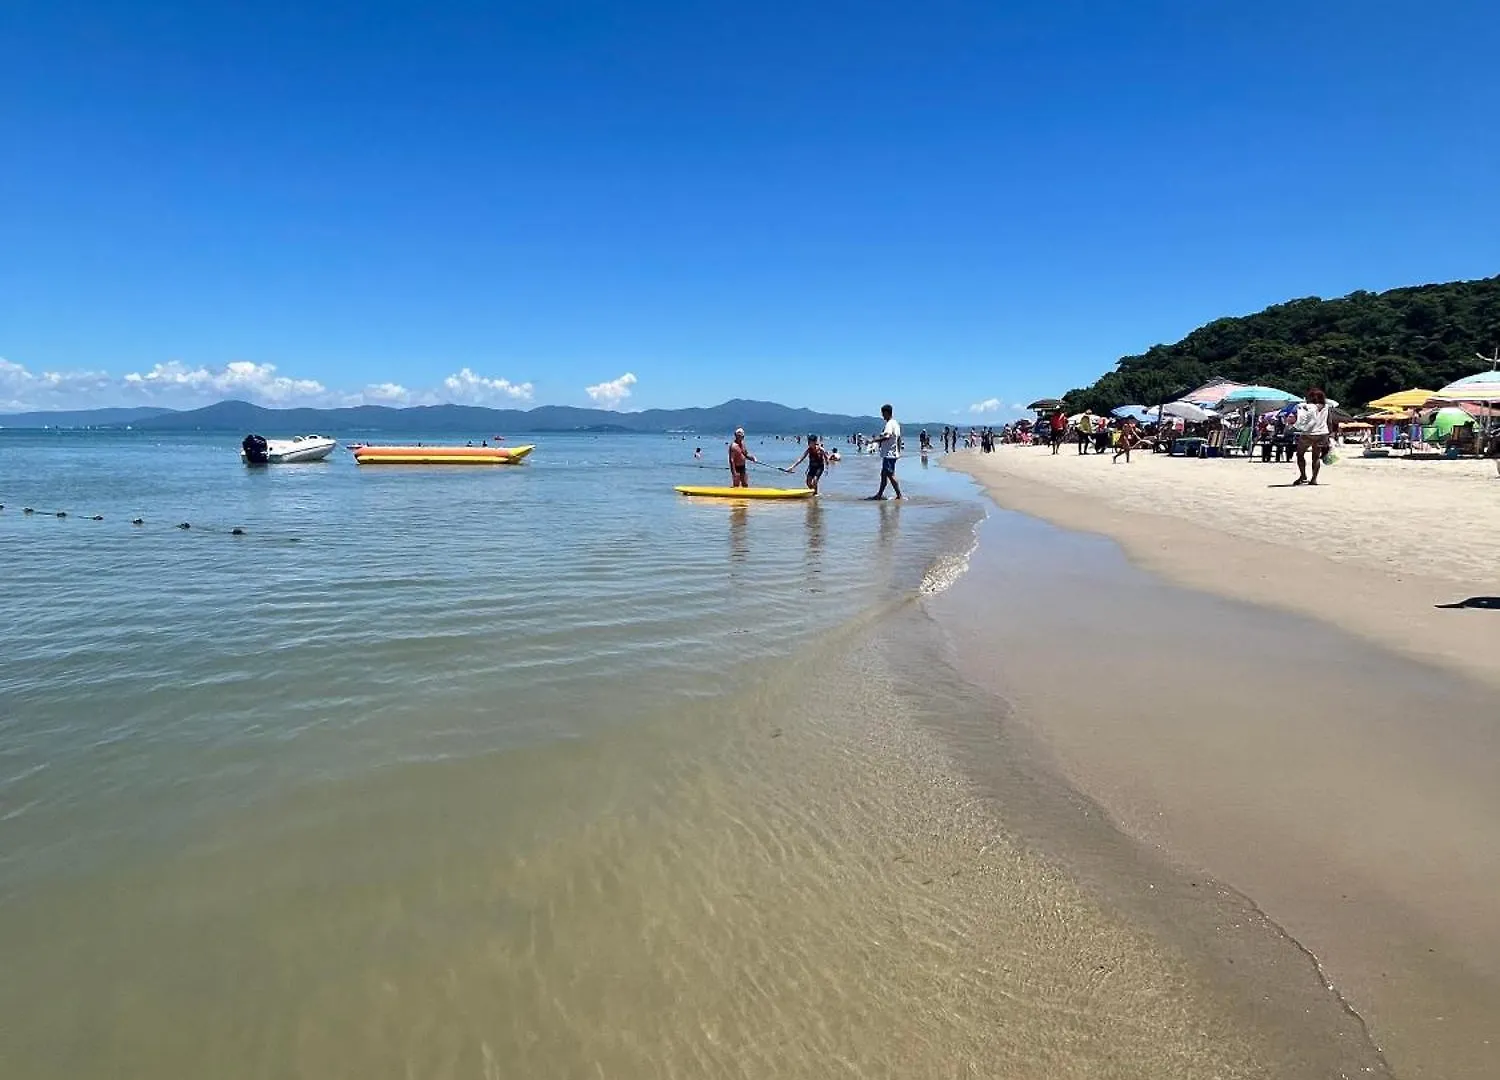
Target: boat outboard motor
<point x="255" y="450"/>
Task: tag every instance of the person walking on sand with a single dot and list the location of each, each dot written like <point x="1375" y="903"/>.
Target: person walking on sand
<point x="739" y="471"/>
<point x="890" y="451"/>
<point x="1085" y="431"/>
<point x="1314" y="429"/>
<point x="1128" y="439"/>
<point x="1058" y="428"/>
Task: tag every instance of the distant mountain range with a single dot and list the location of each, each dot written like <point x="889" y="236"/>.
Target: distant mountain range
<point x="242" y="417"/>
<point x="80" y="418"/>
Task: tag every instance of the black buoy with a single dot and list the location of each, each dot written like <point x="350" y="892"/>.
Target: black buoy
<point x="62" y="513"/>
<point x="138" y="521"/>
<point x="97" y="517"/>
<point x="184" y="525"/>
<point x="236" y="531"/>
<point x="27" y="510"/>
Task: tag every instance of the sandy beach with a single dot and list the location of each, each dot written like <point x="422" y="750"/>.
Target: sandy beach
<point x="1302" y="723"/>
<point x="1373" y="550"/>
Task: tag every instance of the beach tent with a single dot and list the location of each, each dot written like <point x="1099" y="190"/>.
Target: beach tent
<point x="1443" y="421"/>
<point x="1401" y="400"/>
<point x="1482" y="389"/>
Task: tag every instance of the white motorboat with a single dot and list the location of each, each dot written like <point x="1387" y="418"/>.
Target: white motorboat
<point x="257" y="450"/>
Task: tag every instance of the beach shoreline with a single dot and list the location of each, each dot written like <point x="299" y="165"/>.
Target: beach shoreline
<point x="1378" y="555"/>
<point x="1214" y="695"/>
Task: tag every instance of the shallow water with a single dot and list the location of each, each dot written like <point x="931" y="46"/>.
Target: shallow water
<point x="373" y="616"/>
<point x="532" y="771"/>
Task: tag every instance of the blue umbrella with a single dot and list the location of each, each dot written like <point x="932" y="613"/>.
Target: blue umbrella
<point x="1140" y="412"/>
<point x="1259" y="395"/>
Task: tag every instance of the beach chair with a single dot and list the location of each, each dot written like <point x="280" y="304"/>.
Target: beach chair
<point x="1462" y="440"/>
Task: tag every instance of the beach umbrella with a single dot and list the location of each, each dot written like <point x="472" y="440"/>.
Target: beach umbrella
<point x="1046" y="404"/>
<point x="1186" y="410"/>
<point x="1484" y="387"/>
<point x="1402" y="399"/>
<point x="1139" y="412"/>
<point x="1211" y="392"/>
<point x="1258" y="395"/>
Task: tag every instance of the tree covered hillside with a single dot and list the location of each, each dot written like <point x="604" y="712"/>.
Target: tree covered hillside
<point x="1359" y="347"/>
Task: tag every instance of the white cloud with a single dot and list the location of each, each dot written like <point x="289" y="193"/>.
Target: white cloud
<point x="469" y="387"/>
<point x="610" y="394"/>
<point x="21" y="390"/>
<point x="988" y="405"/>
<point x="177" y="385"/>
<point x="238" y="379"/>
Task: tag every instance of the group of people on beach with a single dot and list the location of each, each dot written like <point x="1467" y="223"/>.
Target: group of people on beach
<point x="1094" y="433"/>
<point x="1303" y="432"/>
<point x="819" y="457"/>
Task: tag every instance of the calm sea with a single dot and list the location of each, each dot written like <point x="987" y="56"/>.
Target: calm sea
<point x="524" y="771"/>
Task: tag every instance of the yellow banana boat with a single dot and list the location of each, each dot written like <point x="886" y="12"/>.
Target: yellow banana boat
<point x="441" y="455"/>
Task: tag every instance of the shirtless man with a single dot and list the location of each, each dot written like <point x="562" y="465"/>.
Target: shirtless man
<point x="739" y="471"/>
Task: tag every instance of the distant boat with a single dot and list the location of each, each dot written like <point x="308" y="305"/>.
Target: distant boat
<point x="258" y="450"/>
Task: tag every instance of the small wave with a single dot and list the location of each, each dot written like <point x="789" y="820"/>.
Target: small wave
<point x="949" y="567"/>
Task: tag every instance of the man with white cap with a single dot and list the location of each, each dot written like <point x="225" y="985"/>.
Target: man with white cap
<point x="739" y="471"/>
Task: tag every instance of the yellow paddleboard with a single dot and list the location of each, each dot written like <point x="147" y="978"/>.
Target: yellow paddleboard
<point x="746" y="493"/>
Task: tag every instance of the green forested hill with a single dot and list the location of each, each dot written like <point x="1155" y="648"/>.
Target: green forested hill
<point x="1358" y="347"/>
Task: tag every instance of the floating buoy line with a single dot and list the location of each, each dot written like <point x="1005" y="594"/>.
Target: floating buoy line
<point x="31" y="511"/>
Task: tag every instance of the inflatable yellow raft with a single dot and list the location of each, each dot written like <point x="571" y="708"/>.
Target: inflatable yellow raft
<point x="441" y="455"/>
<point x="746" y="493"/>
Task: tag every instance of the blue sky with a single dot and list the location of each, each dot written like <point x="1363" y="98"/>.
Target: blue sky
<point x="825" y="204"/>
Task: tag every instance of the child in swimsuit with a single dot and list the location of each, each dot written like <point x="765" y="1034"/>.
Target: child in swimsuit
<point x="817" y="461"/>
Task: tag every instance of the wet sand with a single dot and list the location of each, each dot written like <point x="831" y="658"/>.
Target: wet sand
<point x="1373" y="550"/>
<point x="1350" y="793"/>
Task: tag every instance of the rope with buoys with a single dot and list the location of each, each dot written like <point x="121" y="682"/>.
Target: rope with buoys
<point x="30" y="511"/>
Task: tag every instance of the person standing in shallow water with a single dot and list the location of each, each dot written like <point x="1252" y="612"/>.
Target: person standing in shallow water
<point x="739" y="470"/>
<point x="890" y="452"/>
<point x="817" y="460"/>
